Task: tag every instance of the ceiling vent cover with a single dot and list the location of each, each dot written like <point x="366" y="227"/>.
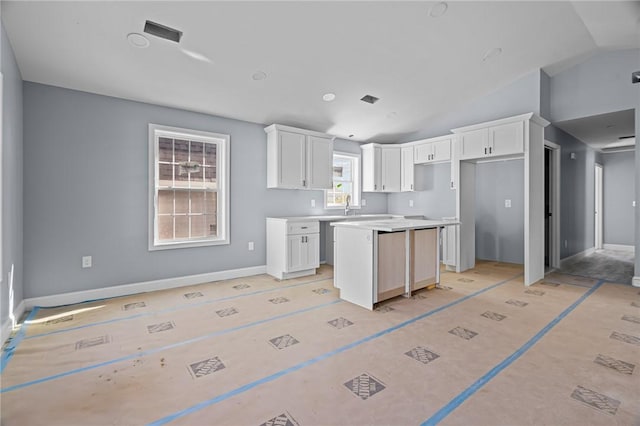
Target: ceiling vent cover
<point x="369" y="99"/>
<point x="162" y="31"/>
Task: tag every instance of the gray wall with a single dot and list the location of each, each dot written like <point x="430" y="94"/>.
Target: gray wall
<point x="85" y="193"/>
<point x="619" y="193"/>
<point x="598" y="85"/>
<point x="577" y="200"/>
<point x="519" y="97"/>
<point x="11" y="177"/>
<point x="500" y="230"/>
<point x="434" y="199"/>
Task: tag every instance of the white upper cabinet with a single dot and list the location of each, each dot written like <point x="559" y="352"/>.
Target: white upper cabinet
<point x="380" y="168"/>
<point x="492" y="141"/>
<point x="298" y="159"/>
<point x="406" y="166"/>
<point x="432" y="151"/>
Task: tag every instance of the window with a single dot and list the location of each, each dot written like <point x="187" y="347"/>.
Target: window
<point x="189" y="188"/>
<point x="346" y="181"/>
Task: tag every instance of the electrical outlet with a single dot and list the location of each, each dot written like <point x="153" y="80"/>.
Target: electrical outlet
<point x="250" y="246"/>
<point x="410" y="203"/>
<point x="86" y="261"/>
<point x="633" y="204"/>
<point x="507" y="203"/>
<point x="364" y="202"/>
<point x="313" y="203"/>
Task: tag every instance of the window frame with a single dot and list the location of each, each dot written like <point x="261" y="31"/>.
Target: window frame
<point x="356" y="193"/>
<point x="222" y="141"/>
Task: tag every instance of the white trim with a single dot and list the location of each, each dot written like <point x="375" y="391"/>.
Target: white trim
<point x="522" y="117"/>
<point x="7" y="326"/>
<point x="635" y="282"/>
<point x="587" y="252"/>
<point x="619" y="247"/>
<point x="142" y="287"/>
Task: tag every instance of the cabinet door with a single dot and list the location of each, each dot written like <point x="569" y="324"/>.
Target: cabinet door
<point x="474" y="144"/>
<point x="423" y="153"/>
<point x="320" y="163"/>
<point x="507" y="139"/>
<point x="449" y="245"/>
<point x="406" y="183"/>
<point x="391" y="169"/>
<point x="292" y="160"/>
<point x="371" y="169"/>
<point x="442" y="150"/>
<point x="312" y="251"/>
<point x="296" y="253"/>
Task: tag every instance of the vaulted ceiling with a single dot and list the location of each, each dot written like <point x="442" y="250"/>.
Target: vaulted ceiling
<point x="272" y="62"/>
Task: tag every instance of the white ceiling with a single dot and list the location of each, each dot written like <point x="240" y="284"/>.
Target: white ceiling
<point x="419" y="66"/>
<point x="603" y="131"/>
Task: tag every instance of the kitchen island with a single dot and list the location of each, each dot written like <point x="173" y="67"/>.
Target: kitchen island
<point x="378" y="259"/>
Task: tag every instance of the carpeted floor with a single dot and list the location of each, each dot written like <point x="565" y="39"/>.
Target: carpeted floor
<point x="481" y="350"/>
<point x="612" y="265"/>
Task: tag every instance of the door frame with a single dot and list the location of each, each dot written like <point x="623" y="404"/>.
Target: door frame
<point x="598" y="178"/>
<point x="554" y="177"/>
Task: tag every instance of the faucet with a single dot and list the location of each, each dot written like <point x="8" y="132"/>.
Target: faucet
<point x="346" y="206"/>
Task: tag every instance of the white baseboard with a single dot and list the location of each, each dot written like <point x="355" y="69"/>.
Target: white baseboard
<point x="7" y="326"/>
<point x="635" y="282"/>
<point x="587" y="252"/>
<point x="619" y="247"/>
<point x="143" y="287"/>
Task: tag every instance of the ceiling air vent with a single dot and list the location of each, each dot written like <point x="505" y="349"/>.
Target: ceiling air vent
<point x="162" y="31"/>
<point x="369" y="99"/>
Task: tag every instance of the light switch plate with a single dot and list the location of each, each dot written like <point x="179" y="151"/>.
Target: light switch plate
<point x="507" y="203"/>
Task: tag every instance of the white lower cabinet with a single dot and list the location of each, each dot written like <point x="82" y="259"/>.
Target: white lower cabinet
<point x="449" y="235"/>
<point x="293" y="248"/>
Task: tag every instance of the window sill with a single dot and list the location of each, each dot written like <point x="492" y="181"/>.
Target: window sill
<point x="187" y="244"/>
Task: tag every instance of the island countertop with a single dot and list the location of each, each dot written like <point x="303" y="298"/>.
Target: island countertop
<point x="396" y="224"/>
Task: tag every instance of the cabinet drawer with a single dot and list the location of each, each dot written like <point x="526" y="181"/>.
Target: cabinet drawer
<point x="294" y="228"/>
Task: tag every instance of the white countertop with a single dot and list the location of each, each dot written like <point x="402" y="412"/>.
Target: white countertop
<point x="335" y="218"/>
<point x="395" y="224"/>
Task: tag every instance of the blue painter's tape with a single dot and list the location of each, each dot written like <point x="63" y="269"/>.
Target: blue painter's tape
<point x="164" y="348"/>
<point x="464" y="395"/>
<point x="319" y="358"/>
<point x="172" y="309"/>
<point x="13" y="344"/>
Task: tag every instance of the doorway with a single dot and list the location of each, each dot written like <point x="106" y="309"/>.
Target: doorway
<point x="598" y="207"/>
<point x="551" y="205"/>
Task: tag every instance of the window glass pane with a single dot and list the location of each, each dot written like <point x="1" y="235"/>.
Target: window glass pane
<point x="210" y="203"/>
<point x="165" y="228"/>
<point x="165" y="202"/>
<point x="165" y="149"/>
<point x="181" y="148"/>
<point x="182" y="202"/>
<point x="165" y="175"/>
<point x="197" y="152"/>
<point x="210" y="154"/>
<point x="197" y="202"/>
<point x="342" y="168"/>
<point x="210" y="174"/>
<point x="182" y="177"/>
<point x="182" y="226"/>
<point x="198" y="227"/>
<point x="211" y="225"/>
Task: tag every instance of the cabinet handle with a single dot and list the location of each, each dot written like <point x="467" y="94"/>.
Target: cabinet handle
<point x="490" y="149"/>
<point x="304" y="227"/>
<point x="411" y="186"/>
<point x="375" y="186"/>
<point x="383" y="187"/>
<point x="485" y="150"/>
<point x="304" y="182"/>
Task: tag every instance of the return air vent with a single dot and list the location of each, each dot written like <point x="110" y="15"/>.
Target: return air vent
<point x="369" y="99"/>
<point x="626" y="137"/>
<point x="162" y="31"/>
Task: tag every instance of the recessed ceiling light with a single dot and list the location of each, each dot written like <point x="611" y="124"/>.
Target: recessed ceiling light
<point x="438" y="9"/>
<point x="328" y="97"/>
<point x="492" y="53"/>
<point x="259" y="75"/>
<point x="137" y="40"/>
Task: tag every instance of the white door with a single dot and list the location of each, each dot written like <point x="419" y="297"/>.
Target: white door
<point x="292" y="156"/>
<point x="320" y="166"/>
<point x="598" y="207"/>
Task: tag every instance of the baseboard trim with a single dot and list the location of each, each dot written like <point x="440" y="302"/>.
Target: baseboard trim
<point x="619" y="247"/>
<point x="635" y="282"/>
<point x="584" y="253"/>
<point x="142" y="287"/>
<point x="7" y="326"/>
